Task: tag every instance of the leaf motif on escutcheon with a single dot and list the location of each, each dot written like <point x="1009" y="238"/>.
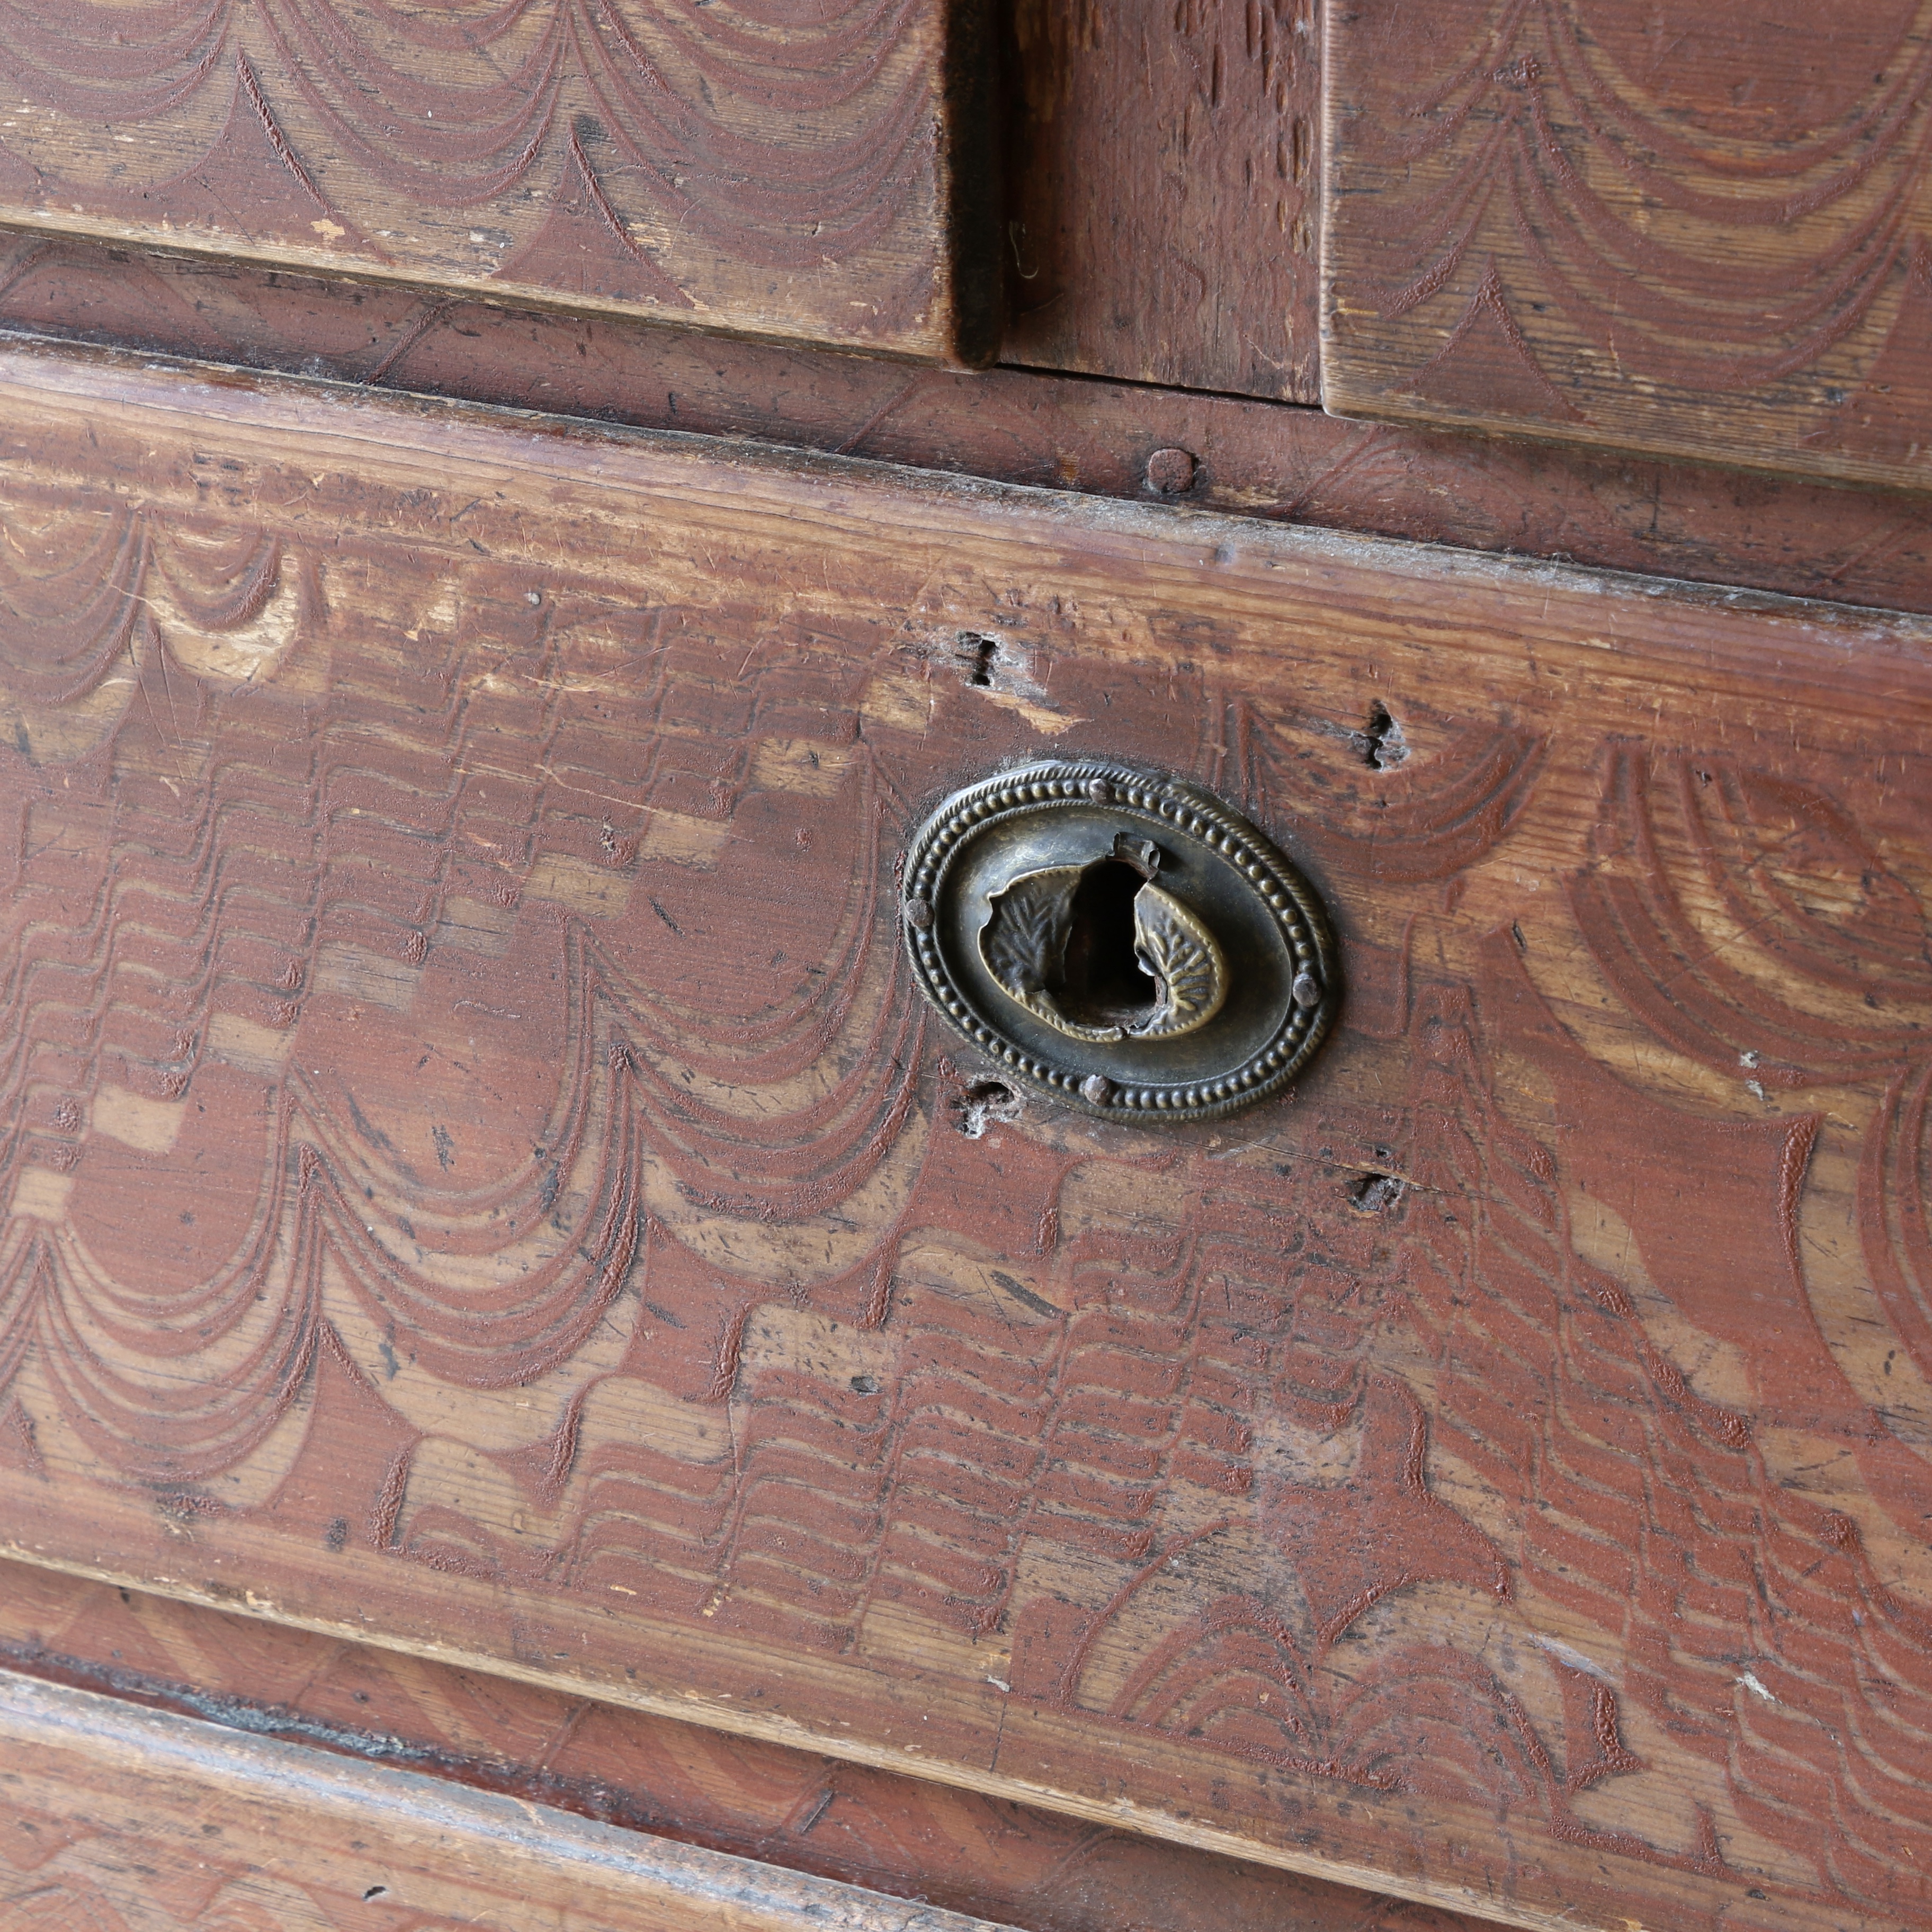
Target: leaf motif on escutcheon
<point x="1025" y="945"/>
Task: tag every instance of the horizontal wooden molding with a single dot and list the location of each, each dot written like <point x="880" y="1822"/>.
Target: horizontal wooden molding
<point x="117" y="1806"/>
<point x="913" y="1838"/>
<point x="1215" y="452"/>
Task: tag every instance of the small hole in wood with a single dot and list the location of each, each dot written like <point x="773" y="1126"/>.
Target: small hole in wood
<point x="983" y="1105"/>
<point x="976" y="656"/>
<point x="864" y="1384"/>
<point x="375" y="1892"/>
<point x="1381" y="741"/>
<point x="1373" y="1193"/>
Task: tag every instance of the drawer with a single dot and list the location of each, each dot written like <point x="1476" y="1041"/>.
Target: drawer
<point x="820" y="175"/>
<point x="486" y="1181"/>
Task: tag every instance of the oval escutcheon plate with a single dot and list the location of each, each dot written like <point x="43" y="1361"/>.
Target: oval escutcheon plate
<point x="1121" y="941"/>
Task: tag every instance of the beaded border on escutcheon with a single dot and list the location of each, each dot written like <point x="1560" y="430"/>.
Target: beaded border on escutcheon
<point x="1171" y="803"/>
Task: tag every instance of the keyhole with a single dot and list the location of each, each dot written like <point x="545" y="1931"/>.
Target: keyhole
<point x="1106" y="983"/>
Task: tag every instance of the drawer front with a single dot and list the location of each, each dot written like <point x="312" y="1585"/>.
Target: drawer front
<point x="750" y="169"/>
<point x="484" y="1180"/>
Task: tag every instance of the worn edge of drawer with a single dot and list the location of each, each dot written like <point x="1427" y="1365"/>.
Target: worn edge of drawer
<point x="439" y="1824"/>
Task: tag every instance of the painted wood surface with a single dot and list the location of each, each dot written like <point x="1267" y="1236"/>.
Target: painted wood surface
<point x="819" y="171"/>
<point x="1213" y="452"/>
<point x="984" y="1857"/>
<point x="117" y="1816"/>
<point x="1704" y="231"/>
<point x="1165" y="215"/>
<point x="482" y="1184"/>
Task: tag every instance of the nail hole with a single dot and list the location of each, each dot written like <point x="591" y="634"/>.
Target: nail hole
<point x="1373" y="1193"/>
<point x="375" y="1892"/>
<point x="864" y="1384"/>
<point x="983" y="1105"/>
<point x="1381" y="741"/>
<point x="976" y="654"/>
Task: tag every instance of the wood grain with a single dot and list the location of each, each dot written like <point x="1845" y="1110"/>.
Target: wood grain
<point x="1700" y="231"/>
<point x="1163" y="192"/>
<point x="911" y="1838"/>
<point x="483" y="1185"/>
<point x="821" y="173"/>
<point x="119" y="1815"/>
<point x="1253" y="458"/>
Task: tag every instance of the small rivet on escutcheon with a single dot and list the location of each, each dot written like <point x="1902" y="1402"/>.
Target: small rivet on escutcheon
<point x="1096" y="1089"/>
<point x="1099" y="791"/>
<point x="919" y="915"/>
<point x="1307" y="988"/>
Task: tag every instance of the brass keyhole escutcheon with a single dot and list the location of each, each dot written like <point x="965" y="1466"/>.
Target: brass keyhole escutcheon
<point x="1126" y="942"/>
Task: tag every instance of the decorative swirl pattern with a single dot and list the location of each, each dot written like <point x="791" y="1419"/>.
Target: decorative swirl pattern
<point x="524" y="1257"/>
<point x="1752" y="924"/>
<point x="1453" y="793"/>
<point x="1701" y="231"/>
